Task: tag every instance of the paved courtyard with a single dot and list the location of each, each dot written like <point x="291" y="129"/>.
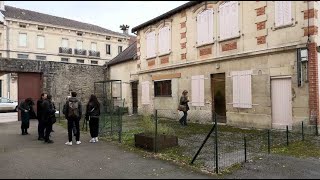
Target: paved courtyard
<point x="8" y="117"/>
<point x="25" y="157"/>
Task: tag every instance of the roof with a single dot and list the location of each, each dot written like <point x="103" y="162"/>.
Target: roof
<point x="166" y="15"/>
<point x="132" y="39"/>
<point x="27" y="15"/>
<point x="128" y="54"/>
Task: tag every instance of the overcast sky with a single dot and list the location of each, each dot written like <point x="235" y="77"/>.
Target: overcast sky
<point x="107" y="14"/>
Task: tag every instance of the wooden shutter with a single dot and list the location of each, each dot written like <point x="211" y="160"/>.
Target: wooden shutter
<point x="40" y="42"/>
<point x="235" y="89"/>
<point x="151" y="44"/>
<point x="199" y="29"/>
<point x="287" y="15"/>
<point x="242" y="95"/>
<point x="197" y="90"/>
<point x="164" y="40"/>
<point x="222" y="22"/>
<point x="201" y="90"/>
<point x="145" y="98"/>
<point x="278" y="13"/>
<point x="234" y="18"/>
<point x="210" y="25"/>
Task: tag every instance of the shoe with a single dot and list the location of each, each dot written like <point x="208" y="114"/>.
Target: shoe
<point x="23" y="133"/>
<point x="52" y="130"/>
<point x="40" y="139"/>
<point x="78" y="142"/>
<point x="68" y="143"/>
<point x="96" y="139"/>
<point x="93" y="140"/>
<point x="49" y="141"/>
<point x="26" y="133"/>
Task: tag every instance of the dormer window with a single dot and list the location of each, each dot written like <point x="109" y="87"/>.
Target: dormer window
<point x="23" y="25"/>
<point x="79" y="33"/>
<point x="108" y="38"/>
<point x="119" y="40"/>
<point x="40" y="28"/>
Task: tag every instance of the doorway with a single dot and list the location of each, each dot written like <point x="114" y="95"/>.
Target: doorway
<point x="134" y="90"/>
<point x="218" y="94"/>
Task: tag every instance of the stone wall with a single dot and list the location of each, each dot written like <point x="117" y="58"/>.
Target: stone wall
<point x="59" y="78"/>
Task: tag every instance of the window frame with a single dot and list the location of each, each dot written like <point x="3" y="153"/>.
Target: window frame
<point x="77" y="60"/>
<point x="108" y="45"/>
<point x="44" y="45"/>
<point x="22" y="55"/>
<point x="120" y="47"/>
<point x="96" y="46"/>
<point x="67" y="40"/>
<point x="97" y="62"/>
<point x="164" y="85"/>
<point x="26" y="40"/>
<point x="78" y="44"/>
<point x="40" y="58"/>
<point x="237" y="33"/>
<point x="209" y="40"/>
<point x="64" y="58"/>
<point x="169" y="41"/>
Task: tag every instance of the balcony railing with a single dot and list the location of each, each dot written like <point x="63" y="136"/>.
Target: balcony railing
<point x="81" y="52"/>
<point x="64" y="50"/>
<point x="94" y="53"/>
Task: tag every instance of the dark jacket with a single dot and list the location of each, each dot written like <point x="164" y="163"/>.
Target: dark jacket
<point x="39" y="109"/>
<point x="184" y="101"/>
<point x="47" y="111"/>
<point x="66" y="107"/>
<point x="93" y="110"/>
<point x="52" y="111"/>
<point x="25" y="116"/>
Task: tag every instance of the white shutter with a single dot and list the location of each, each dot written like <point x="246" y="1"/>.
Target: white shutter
<point x="65" y="43"/>
<point x="79" y="45"/>
<point x="287" y="15"/>
<point x="201" y="90"/>
<point x="23" y="40"/>
<point x="199" y="29"/>
<point x="164" y="40"/>
<point x="234" y="18"/>
<point x="242" y="95"/>
<point x="168" y="40"/>
<point x="145" y="93"/>
<point x="210" y="25"/>
<point x="151" y="44"/>
<point x="94" y="46"/>
<point x="205" y="26"/>
<point x="195" y="90"/>
<point x="278" y="13"/>
<point x="40" y="42"/>
<point x="222" y="22"/>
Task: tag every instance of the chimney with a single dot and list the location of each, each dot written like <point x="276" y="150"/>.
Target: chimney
<point x="2" y="6"/>
<point x="125" y="29"/>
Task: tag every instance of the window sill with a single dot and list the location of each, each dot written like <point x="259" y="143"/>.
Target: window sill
<point x="205" y="44"/>
<point x="164" y="54"/>
<point x="148" y="58"/>
<point x="169" y="96"/>
<point x="282" y="26"/>
<point x="231" y="38"/>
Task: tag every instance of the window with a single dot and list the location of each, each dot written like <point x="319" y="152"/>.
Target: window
<point x="151" y="44"/>
<point x="94" y="46"/>
<point x="108" y="38"/>
<point x="22" y="25"/>
<point x="79" y="44"/>
<point x="162" y="88"/>
<point x="65" y="43"/>
<point x="40" y="28"/>
<point x="283" y="14"/>
<point x="119" y="40"/>
<point x="164" y="40"/>
<point x="108" y="48"/>
<point x="94" y="62"/>
<point x="41" y="57"/>
<point x="197" y="90"/>
<point x="119" y="49"/>
<point x="229" y="19"/>
<point x="241" y="81"/>
<point x="79" y="33"/>
<point x="205" y="27"/>
<point x="145" y="99"/>
<point x="23" y="56"/>
<point x="40" y="42"/>
<point x="64" y="59"/>
<point x="80" y="60"/>
<point x="23" y="40"/>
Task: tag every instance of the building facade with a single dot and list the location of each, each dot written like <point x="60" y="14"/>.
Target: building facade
<point x="26" y="34"/>
<point x="255" y="63"/>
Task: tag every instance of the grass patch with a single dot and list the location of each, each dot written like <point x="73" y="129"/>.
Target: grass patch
<point x="301" y="149"/>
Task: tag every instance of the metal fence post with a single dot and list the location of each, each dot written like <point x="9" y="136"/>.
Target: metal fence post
<point x="216" y="142"/>
<point x="156" y="131"/>
<point x="269" y="144"/>
<point x="120" y="123"/>
<point x="302" y="131"/>
<point x="245" y="148"/>
<point x="317" y="132"/>
<point x="287" y="132"/>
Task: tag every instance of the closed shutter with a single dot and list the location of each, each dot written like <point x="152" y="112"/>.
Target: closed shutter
<point x="164" y="40"/>
<point x="151" y="44"/>
<point x="201" y="90"/>
<point x="242" y="95"/>
<point x="200" y="29"/>
<point x="23" y="40"/>
<point x="278" y="13"/>
<point x="234" y="18"/>
<point x="210" y="25"/>
<point x="145" y="93"/>
<point x="287" y="16"/>
<point x="205" y="27"/>
<point x="197" y="90"/>
<point x="94" y="46"/>
<point x="222" y="22"/>
<point x="40" y="42"/>
<point x="65" y="43"/>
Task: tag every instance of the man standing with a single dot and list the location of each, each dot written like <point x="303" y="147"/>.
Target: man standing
<point x="73" y="111"/>
<point x="40" y="118"/>
<point x="48" y="113"/>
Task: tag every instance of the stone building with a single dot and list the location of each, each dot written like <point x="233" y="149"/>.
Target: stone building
<point x="26" y="34"/>
<point x="253" y="63"/>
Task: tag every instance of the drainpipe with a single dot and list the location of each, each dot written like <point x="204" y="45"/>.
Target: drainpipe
<point x="8" y="56"/>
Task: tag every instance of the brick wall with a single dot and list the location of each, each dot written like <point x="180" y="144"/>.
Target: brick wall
<point x="229" y="46"/>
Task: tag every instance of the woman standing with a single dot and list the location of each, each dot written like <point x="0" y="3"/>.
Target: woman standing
<point x="183" y="106"/>
<point x="92" y="115"/>
<point x="26" y="109"/>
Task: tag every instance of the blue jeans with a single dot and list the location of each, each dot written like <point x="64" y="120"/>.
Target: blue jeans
<point x="183" y="120"/>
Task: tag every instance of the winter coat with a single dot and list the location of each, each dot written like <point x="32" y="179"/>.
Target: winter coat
<point x="92" y="110"/>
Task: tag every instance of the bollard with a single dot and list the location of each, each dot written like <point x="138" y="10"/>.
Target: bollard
<point x="156" y="131"/>
<point x="269" y="144"/>
<point x="245" y="148"/>
<point x="302" y="131"/>
<point x="287" y="135"/>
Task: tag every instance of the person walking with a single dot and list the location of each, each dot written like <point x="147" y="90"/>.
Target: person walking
<point x="92" y="115"/>
<point x="184" y="107"/>
<point x="39" y="117"/>
<point x="73" y="111"/>
<point x="48" y="117"/>
<point x="26" y="109"/>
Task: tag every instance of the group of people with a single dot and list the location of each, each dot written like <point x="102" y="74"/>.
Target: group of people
<point x="72" y="111"/>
